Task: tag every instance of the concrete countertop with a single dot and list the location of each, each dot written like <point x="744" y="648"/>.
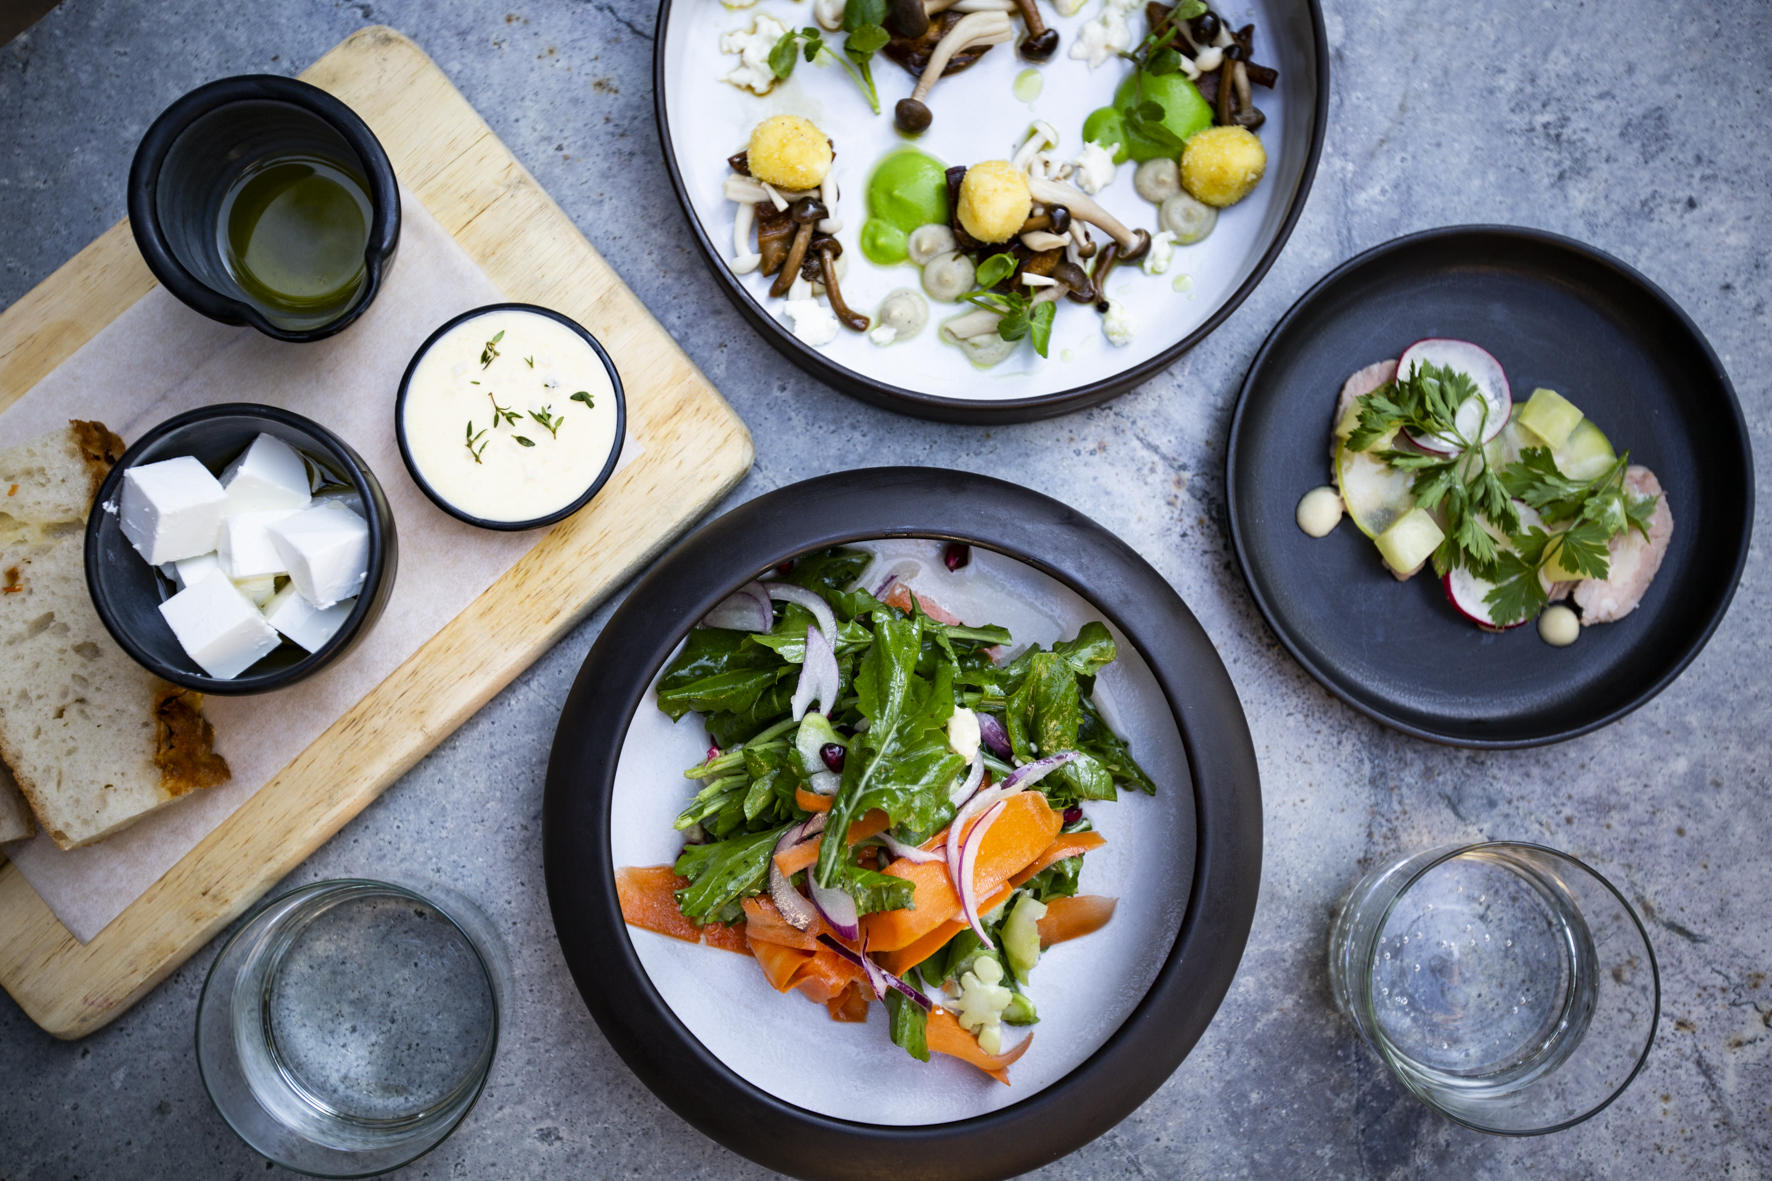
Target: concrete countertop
<point x="1637" y="126"/>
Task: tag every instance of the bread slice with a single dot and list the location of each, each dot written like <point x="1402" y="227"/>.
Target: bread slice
<point x="93" y="740"/>
<point x="16" y="822"/>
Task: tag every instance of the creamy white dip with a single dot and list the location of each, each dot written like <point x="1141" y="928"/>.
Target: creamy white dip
<point x="1319" y="511"/>
<point x="459" y="408"/>
<point x="1559" y="626"/>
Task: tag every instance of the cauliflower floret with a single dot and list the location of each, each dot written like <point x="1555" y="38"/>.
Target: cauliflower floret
<point x="752" y="47"/>
<point x="983" y="997"/>
<point x="1106" y="35"/>
<point x="963" y="733"/>
<point x="1162" y="251"/>
<point x="813" y="322"/>
<point x="994" y="201"/>
<point x="789" y="152"/>
<point x="1118" y="324"/>
<point x="1094" y="168"/>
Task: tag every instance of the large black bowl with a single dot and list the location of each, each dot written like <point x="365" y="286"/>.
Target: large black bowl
<point x="839" y="509"/>
<point x="1555" y="313"/>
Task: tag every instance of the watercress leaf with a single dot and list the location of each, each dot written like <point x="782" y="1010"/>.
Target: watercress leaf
<point x="858" y="14"/>
<point x="1014" y="324"/>
<point x="995" y="269"/>
<point x="1040" y="326"/>
<point x="866" y="41"/>
<point x="1164" y="61"/>
<point x="785" y="55"/>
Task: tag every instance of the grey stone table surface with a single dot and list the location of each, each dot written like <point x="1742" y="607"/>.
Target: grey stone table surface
<point x="1638" y="126"/>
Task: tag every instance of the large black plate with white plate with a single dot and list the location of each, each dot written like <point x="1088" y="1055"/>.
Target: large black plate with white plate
<point x="702" y="120"/>
<point x="1556" y="313"/>
<point x="771" y="1076"/>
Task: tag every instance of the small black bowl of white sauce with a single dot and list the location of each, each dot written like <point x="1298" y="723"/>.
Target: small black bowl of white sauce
<point x="510" y="416"/>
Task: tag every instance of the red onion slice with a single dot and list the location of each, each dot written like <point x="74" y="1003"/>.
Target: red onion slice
<point x="880" y="591"/>
<point x="814" y="602"/>
<point x="968" y="862"/>
<point x="838" y="909"/>
<point x="911" y="853"/>
<point x="962" y="790"/>
<point x="996" y="738"/>
<point x="793" y="906"/>
<point x="746" y="609"/>
<point x="871" y="968"/>
<point x="977" y="804"/>
<point x="819" y="678"/>
<point x="1029" y="774"/>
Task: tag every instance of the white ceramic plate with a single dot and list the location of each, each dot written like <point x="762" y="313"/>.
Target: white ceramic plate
<point x="977" y="116"/>
<point x="788" y="1046"/>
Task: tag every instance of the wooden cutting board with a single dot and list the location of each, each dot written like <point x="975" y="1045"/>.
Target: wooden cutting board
<point x="696" y="449"/>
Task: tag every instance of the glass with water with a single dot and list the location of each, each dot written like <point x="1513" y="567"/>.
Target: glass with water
<point x="1507" y="985"/>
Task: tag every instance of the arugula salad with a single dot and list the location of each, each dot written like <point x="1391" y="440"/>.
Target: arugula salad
<point x="1522" y="513"/>
<point x="892" y="806"/>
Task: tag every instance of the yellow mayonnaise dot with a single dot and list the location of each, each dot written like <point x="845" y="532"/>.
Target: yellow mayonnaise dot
<point x="789" y="152"/>
<point x="1220" y="165"/>
<point x="994" y="201"/>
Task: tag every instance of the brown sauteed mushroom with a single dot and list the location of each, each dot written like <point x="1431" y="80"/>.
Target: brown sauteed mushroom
<point x="1041" y="42"/>
<point x="975" y="31"/>
<point x="805" y="214"/>
<point x="827" y="249"/>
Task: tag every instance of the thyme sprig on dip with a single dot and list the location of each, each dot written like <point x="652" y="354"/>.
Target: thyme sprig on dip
<point x="548" y="419"/>
<point x="502" y="414"/>
<point x="490" y="352"/>
<point x="476" y="438"/>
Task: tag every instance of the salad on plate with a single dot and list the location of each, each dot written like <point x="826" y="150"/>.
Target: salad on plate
<point x="956" y="768"/>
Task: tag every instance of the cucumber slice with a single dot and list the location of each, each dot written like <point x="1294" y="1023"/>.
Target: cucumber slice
<point x="1020" y="1011"/>
<point x="1586" y="454"/>
<point x="814" y="734"/>
<point x="1504" y="448"/>
<point x="1375" y="493"/>
<point x="1021" y="935"/>
<point x="1550" y="416"/>
<point x="1409" y="542"/>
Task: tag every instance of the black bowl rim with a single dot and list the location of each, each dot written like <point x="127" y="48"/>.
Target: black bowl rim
<point x="882" y="503"/>
<point x="964" y="410"/>
<point x="150" y="156"/>
<point x="442" y="502"/>
<point x="1550" y="241"/>
<point x="381" y="543"/>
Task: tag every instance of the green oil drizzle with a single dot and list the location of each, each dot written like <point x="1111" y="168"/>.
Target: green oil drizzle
<point x="1028" y="85"/>
<point x="293" y="232"/>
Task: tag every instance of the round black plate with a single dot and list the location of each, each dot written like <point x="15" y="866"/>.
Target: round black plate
<point x="1555" y="313"/>
<point x="1307" y="49"/>
<point x="838" y="509"/>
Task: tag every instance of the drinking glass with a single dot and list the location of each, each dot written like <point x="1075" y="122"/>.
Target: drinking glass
<point x="1507" y="985"/>
<point x="350" y="1025"/>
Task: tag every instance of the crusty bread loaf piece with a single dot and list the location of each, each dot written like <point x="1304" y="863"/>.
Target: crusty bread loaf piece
<point x="16" y="822"/>
<point x="93" y="740"/>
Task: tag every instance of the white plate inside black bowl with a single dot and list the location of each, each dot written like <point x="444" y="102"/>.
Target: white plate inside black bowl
<point x="772" y="1076"/>
<point x="984" y="113"/>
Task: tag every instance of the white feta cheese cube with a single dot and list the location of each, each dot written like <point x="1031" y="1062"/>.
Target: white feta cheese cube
<point x="186" y="571"/>
<point x="171" y="509"/>
<point x="304" y="623"/>
<point x="259" y="589"/>
<point x="245" y="548"/>
<point x="326" y="550"/>
<point x="218" y="627"/>
<point x="270" y="474"/>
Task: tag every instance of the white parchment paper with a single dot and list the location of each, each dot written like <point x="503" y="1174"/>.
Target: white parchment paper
<point x="1084" y="990"/>
<point x="160" y="358"/>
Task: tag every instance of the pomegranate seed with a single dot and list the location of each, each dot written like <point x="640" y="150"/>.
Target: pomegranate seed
<point x="832" y="753"/>
<point x="958" y="554"/>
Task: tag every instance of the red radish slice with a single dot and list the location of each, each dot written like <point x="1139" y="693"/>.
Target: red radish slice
<point x="1467" y="591"/>
<point x="837" y="907"/>
<point x="746" y="609"/>
<point x="790" y="902"/>
<point x="1463" y="357"/>
<point x="968" y="864"/>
